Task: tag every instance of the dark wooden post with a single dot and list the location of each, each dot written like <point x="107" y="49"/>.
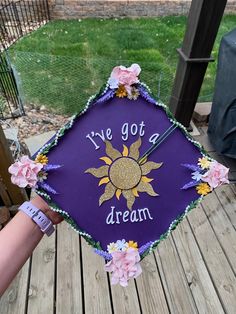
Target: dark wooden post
<point x="202" y="27"/>
<point x="10" y="193"/>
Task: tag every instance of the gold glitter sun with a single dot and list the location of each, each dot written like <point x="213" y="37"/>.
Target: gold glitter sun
<point x="124" y="174"/>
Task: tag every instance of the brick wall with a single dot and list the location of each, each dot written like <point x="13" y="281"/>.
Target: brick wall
<point x="66" y="9"/>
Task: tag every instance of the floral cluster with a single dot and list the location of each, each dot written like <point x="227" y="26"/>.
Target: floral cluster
<point x="124" y="264"/>
<point x="122" y="79"/>
<point x="32" y="173"/>
<point x="206" y="175"/>
<point x="121" y="246"/>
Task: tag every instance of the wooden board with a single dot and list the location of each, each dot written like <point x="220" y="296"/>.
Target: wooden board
<point x="4" y="215"/>
<point x="222" y="227"/>
<point x="227" y="198"/>
<point x="69" y="285"/>
<point x="96" y="288"/>
<point x="177" y="291"/>
<point x="41" y="290"/>
<point x="125" y="300"/>
<point x="233" y="187"/>
<point x="215" y="259"/>
<point x="14" y="299"/>
<point x="16" y="194"/>
<point x="4" y="195"/>
<point x="150" y="290"/>
<point x="199" y="281"/>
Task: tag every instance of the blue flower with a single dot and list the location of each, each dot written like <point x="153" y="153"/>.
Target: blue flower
<point x="196" y="175"/>
<point x="113" y="82"/>
<point x="122" y="245"/>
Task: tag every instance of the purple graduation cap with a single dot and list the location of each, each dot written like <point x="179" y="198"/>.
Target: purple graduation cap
<point x="130" y="173"/>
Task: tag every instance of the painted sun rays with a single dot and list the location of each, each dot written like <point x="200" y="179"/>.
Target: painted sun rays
<point x="123" y="174"/>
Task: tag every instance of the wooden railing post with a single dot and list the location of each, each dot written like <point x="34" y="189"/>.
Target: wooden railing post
<point x="202" y="27"/>
<point x="10" y="193"/>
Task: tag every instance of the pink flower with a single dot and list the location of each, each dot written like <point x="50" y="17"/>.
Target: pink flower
<point x="24" y="172"/>
<point x="121" y="75"/>
<point x="216" y="175"/>
<point x="124" y="266"/>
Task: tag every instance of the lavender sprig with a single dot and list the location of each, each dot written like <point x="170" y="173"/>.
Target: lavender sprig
<point x="144" y="247"/>
<point x="190" y="185"/>
<point x="144" y="93"/>
<point x="108" y="95"/>
<point x="192" y="167"/>
<point x="47" y="187"/>
<point x="51" y="167"/>
<point x="105" y="255"/>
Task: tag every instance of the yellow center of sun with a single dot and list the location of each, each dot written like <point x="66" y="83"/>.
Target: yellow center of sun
<point x="125" y="173"/>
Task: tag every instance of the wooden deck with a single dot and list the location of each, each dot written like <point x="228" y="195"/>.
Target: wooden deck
<point x="193" y="271"/>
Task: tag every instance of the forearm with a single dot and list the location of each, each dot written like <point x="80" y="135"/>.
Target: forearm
<point x="17" y="241"/>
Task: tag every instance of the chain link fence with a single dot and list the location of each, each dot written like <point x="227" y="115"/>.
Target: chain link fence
<point x="67" y="82"/>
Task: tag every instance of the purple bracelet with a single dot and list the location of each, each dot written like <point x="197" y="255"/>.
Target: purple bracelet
<point x="44" y="223"/>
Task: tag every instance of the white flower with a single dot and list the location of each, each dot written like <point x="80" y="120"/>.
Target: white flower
<point x="122" y="245"/>
<point x="133" y="94"/>
<point x="112" y="247"/>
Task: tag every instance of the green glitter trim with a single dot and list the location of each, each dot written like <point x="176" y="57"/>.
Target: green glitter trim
<point x="172" y="227"/>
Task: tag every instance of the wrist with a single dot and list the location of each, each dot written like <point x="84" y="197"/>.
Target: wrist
<point x="38" y="216"/>
<point x="52" y="215"/>
<point x="39" y="203"/>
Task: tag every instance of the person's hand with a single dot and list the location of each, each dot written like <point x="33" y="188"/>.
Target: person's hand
<point x="41" y="204"/>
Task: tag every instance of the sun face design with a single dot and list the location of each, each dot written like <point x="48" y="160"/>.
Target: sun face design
<point x="123" y="173"/>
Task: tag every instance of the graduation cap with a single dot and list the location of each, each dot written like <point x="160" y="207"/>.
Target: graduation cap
<point x="123" y="172"/>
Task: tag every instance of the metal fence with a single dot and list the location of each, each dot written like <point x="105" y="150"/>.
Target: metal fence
<point x="11" y="105"/>
<point x="17" y="18"/>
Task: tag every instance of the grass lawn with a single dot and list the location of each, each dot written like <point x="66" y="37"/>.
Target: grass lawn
<point x="63" y="63"/>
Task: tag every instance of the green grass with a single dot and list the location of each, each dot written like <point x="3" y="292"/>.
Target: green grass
<point x="65" y="62"/>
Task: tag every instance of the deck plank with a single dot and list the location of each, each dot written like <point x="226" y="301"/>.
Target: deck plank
<point x="227" y="198"/>
<point x="222" y="226"/>
<point x="68" y="271"/>
<point x="125" y="300"/>
<point x="178" y="293"/>
<point x="215" y="259"/>
<point x="13" y="300"/>
<point x="150" y="290"/>
<point x="96" y="288"/>
<point x="199" y="281"/>
<point x="41" y="291"/>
